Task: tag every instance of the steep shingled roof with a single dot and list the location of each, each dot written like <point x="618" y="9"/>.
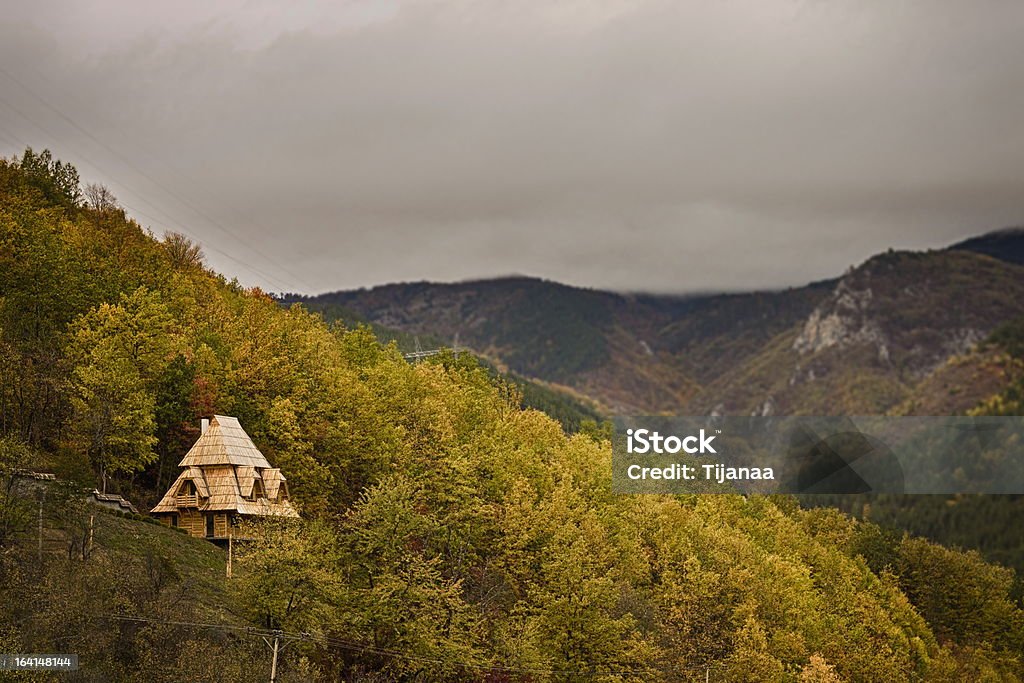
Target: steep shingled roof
<point x="224" y="443"/>
<point x="230" y="475"/>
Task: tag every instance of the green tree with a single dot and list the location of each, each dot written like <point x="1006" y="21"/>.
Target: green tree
<point x="15" y="509"/>
<point x="961" y="596"/>
<point x="396" y="596"/>
<point x="175" y="418"/>
<point x="57" y="179"/>
<point x="288" y="574"/>
<point x="120" y="351"/>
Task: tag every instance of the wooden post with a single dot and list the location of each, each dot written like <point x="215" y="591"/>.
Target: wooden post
<point x="92" y="524"/>
<point x="231" y="536"/>
<point x="42" y="497"/>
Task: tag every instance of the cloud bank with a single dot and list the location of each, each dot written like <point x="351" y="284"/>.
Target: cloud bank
<point x="647" y="145"/>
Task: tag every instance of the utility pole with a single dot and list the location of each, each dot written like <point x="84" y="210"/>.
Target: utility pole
<point x="276" y="648"/>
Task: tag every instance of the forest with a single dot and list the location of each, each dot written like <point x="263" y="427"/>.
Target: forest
<point x="448" y="533"/>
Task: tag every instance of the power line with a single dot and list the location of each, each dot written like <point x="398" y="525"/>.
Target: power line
<point x="396" y="654"/>
<point x="337" y="642"/>
<point x="9" y="140"/>
<point x="192" y="624"/>
<point x="181" y="200"/>
<point x="168" y="220"/>
<point x="209" y="247"/>
<point x="156" y="157"/>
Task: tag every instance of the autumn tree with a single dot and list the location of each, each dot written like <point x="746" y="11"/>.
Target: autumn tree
<point x="288" y="573"/>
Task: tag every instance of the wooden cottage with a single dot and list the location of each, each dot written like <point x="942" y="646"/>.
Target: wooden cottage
<point x="225" y="478"/>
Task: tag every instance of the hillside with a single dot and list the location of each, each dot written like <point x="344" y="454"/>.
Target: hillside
<point x="571" y="410"/>
<point x="447" y="533"/>
<point x="629" y="353"/>
<point x="132" y="567"/>
<point x="872" y="343"/>
<point x="596" y="343"/>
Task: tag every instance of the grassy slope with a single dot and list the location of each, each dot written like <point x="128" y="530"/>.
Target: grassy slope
<point x="199" y="565"/>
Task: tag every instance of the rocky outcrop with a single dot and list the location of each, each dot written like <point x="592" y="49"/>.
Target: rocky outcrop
<point x="844" y="319"/>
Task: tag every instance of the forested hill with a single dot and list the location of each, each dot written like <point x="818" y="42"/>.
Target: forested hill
<point x="572" y="411"/>
<point x="904" y="333"/>
<point x="447" y="533"/>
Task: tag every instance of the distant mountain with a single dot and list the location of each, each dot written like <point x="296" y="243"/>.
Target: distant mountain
<point x="870" y="341"/>
<point x="875" y="341"/>
<point x="599" y="344"/>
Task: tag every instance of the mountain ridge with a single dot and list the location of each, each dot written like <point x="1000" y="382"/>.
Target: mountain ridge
<point x="634" y="352"/>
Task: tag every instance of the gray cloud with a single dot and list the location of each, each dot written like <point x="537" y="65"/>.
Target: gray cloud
<point x="651" y="145"/>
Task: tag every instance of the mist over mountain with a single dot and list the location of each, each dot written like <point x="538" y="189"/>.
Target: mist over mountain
<point x="870" y="340"/>
<point x="1006" y="244"/>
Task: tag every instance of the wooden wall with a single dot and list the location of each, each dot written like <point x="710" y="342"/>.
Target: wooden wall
<point x="194" y="522"/>
<point x="220" y="525"/>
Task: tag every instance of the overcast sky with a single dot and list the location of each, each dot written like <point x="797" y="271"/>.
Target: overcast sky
<point x="655" y="145"/>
